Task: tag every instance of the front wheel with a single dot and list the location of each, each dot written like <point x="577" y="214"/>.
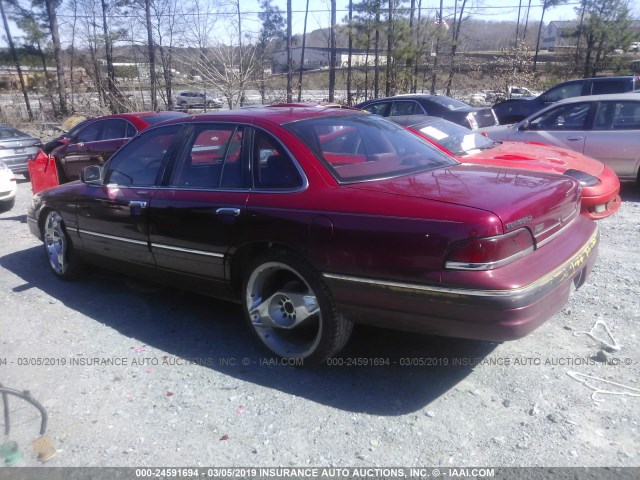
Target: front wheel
<point x="63" y="260"/>
<point x="291" y="310"/>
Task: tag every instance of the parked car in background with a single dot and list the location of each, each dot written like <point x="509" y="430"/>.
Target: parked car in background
<point x="600" y="185"/>
<point x="16" y="147"/>
<point x="434" y="105"/>
<point x="515" y="109"/>
<point x="604" y="127"/>
<point x="316" y="218"/>
<point x="93" y="141"/>
<point x="186" y="99"/>
<point x="8" y="188"/>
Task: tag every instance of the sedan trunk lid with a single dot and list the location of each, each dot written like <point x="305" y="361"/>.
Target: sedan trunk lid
<point x="542" y="203"/>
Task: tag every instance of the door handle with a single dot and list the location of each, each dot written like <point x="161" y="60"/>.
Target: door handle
<point x="573" y="139"/>
<point x="137" y="204"/>
<point x="230" y="212"/>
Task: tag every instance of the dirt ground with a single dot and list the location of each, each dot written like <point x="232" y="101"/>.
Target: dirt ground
<point x="138" y="375"/>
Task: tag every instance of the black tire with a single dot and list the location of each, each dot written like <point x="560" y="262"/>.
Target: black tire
<point x="6" y="205"/>
<point x="26" y="175"/>
<point x="291" y="310"/>
<point x="61" y="256"/>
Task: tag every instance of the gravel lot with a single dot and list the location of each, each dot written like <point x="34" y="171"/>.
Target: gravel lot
<point x="137" y="375"/>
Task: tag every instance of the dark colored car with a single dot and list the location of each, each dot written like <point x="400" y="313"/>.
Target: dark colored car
<point x="515" y="109"/>
<point x="317" y="218"/>
<point x="16" y="147"/>
<point x="434" y="105"/>
<point x="600" y="185"/>
<point x="93" y="141"/>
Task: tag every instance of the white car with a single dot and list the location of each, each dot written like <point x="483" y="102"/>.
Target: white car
<point x="8" y="188"/>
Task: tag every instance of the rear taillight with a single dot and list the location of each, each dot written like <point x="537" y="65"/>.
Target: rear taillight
<point x="490" y="252"/>
<point x="472" y="121"/>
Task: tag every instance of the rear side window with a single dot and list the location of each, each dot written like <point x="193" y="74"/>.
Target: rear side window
<point x="272" y="166"/>
<point x="609" y="86"/>
<point x="212" y="158"/>
<point x="622" y="115"/>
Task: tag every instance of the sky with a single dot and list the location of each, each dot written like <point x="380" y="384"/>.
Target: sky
<point x="485" y="9"/>
<point x="319" y="12"/>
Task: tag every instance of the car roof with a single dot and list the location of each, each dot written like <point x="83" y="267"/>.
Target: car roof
<point x="405" y="96"/>
<point x="273" y="114"/>
<point x="602" y="97"/>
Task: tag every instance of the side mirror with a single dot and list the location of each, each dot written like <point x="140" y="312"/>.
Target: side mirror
<point x="523" y="125"/>
<point x="91" y="175"/>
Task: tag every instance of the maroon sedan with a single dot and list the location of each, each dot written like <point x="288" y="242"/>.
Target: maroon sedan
<point x="93" y="141"/>
<point x="317" y="218"/>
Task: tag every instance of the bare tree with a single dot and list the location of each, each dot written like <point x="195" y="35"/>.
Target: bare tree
<point x="16" y="62"/>
<point x="289" y="47"/>
<point x="304" y="44"/>
<point x="51" y="8"/>
<point x="455" y="37"/>
<point x="332" y="53"/>
<point x="152" y="55"/>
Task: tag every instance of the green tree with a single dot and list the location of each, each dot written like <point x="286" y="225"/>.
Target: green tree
<point x="272" y="33"/>
<point x="607" y="26"/>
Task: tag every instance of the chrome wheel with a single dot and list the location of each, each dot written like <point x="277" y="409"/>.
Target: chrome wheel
<point x="55" y="243"/>
<point x="283" y="310"/>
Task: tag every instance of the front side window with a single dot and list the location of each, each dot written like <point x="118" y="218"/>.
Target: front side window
<point x="366" y="147"/>
<point x="113" y="128"/>
<point x="139" y="161"/>
<point x="212" y="158"/>
<point x="563" y="91"/>
<point x="565" y="117"/>
<point x="90" y="133"/>
<point x="380" y="108"/>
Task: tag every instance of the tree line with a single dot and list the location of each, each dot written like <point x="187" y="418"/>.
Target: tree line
<point x="212" y="45"/>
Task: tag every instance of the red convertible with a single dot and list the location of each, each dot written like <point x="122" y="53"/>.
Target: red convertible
<point x="315" y="219"/>
<point x="600" y="184"/>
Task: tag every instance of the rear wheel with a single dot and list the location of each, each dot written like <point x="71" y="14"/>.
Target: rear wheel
<point x="63" y="260"/>
<point x="6" y="205"/>
<point x="291" y="310"/>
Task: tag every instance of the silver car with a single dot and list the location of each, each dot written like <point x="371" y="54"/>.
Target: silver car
<point x="186" y="99"/>
<point x="604" y="127"/>
<point x="16" y="148"/>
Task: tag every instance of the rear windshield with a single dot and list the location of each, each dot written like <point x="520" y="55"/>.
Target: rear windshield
<point x="458" y="140"/>
<point x="161" y="117"/>
<point x="448" y="102"/>
<point x="357" y="148"/>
